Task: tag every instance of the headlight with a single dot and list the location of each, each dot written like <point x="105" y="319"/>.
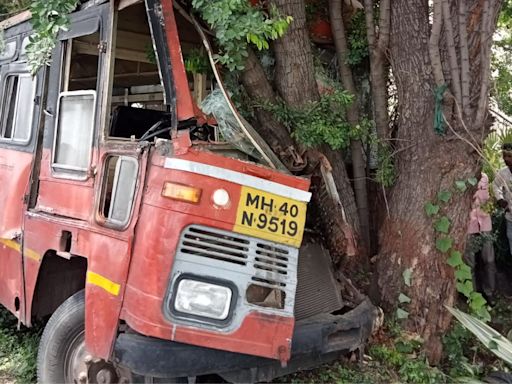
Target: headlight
<point x="221" y="198"/>
<point x="203" y="299"/>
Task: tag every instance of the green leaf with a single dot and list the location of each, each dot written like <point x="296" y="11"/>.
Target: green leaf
<point x="444" y="243"/>
<point x="465" y="288"/>
<point x="444" y="196"/>
<point x="402" y="298"/>
<point x="473" y="181"/>
<point x="461" y="185"/>
<point x="463" y="273"/>
<point x="407" y="275"/>
<point x="431" y="209"/>
<point x="455" y="259"/>
<point x="493" y="345"/>
<point x="442" y="225"/>
<point x="401" y="314"/>
<point x="477" y="301"/>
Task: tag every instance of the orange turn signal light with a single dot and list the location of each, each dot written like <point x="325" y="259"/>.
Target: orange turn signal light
<point x="181" y="192"/>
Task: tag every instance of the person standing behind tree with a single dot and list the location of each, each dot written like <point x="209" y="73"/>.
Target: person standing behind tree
<point x="480" y="240"/>
<point x="502" y="188"/>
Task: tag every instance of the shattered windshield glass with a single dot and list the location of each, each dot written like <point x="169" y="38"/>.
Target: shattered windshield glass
<point x="244" y="138"/>
<point x="215" y="105"/>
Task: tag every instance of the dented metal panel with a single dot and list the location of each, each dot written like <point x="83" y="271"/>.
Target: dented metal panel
<point x="241" y="260"/>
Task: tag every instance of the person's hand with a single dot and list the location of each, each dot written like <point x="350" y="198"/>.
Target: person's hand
<point x="502" y="203"/>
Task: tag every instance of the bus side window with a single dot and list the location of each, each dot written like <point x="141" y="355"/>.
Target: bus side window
<point x="74" y="130"/>
<point x="119" y="183"/>
<point x="76" y="107"/>
<point x="17" y="107"/>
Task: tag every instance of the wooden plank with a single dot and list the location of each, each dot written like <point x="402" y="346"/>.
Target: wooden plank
<point x="16" y="19"/>
<point x="126" y="3"/>
<point x="67" y="64"/>
<point x="199" y="92"/>
<point x="121" y="53"/>
<point x="119" y="76"/>
<point x="142" y="98"/>
<point x="133" y="40"/>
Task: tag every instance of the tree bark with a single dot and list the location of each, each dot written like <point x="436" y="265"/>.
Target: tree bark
<point x="294" y="71"/>
<point x="259" y="89"/>
<point x="431" y="165"/>
<point x="378" y="63"/>
<point x="356" y="147"/>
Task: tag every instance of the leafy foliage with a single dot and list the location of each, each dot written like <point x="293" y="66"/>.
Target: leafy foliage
<point x="386" y="171"/>
<point x="493" y="340"/>
<point x="357" y="41"/>
<point x="493" y="160"/>
<point x="7" y="8"/>
<point x="18" y="349"/>
<point x="196" y="61"/>
<point x="502" y="61"/>
<point x="456" y="347"/>
<point x="406" y="357"/>
<point x="321" y="122"/>
<point x="48" y="18"/>
<point x="237" y="25"/>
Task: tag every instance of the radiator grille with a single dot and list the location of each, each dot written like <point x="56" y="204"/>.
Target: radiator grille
<point x="205" y="243"/>
<point x="268" y="264"/>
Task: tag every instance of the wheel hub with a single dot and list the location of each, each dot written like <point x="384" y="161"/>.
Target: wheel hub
<point x="81" y="368"/>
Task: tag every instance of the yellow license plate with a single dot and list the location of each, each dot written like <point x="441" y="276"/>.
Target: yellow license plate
<point x="271" y="217"/>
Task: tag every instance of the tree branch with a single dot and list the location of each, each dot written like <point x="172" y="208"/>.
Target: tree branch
<point x="358" y="163"/>
<point x="378" y="64"/>
<point x="384" y="25"/>
<point x="258" y="88"/>
<point x="433" y="44"/>
<point x="485" y="62"/>
<point x="464" y="58"/>
<point x="452" y="54"/>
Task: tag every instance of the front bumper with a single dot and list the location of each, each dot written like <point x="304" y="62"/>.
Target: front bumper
<point x="315" y="339"/>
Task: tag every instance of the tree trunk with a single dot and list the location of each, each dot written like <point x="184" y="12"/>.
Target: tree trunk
<point x="296" y="83"/>
<point x="276" y="134"/>
<point x="356" y="147"/>
<point x="427" y="164"/>
<point x="378" y="47"/>
<point x="259" y="88"/>
<point x="294" y="72"/>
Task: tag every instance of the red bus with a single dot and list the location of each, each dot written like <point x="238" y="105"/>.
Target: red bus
<point x="159" y="249"/>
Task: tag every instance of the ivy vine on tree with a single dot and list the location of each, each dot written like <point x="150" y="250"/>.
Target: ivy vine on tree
<point x="444" y="244"/>
<point x="48" y="18"/>
<point x="237" y="25"/>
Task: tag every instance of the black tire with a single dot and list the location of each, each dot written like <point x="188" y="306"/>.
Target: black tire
<point x="65" y="325"/>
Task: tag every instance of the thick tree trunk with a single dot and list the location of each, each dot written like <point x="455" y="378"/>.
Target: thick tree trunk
<point x="259" y="89"/>
<point x="427" y="164"/>
<point x="294" y="72"/>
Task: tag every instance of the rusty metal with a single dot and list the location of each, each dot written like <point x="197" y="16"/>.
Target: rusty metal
<point x="317" y="291"/>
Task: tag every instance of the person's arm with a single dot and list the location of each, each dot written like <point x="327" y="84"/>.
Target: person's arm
<point x="498" y="186"/>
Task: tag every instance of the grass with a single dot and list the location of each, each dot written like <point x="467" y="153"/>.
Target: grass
<point x="18" y="350"/>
